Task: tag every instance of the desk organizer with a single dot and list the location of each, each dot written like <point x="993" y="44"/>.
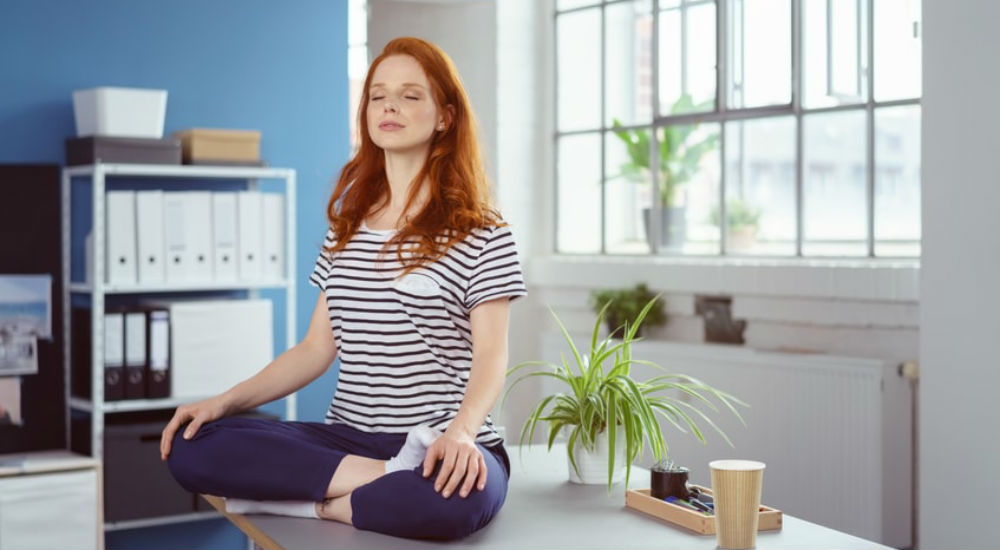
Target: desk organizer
<point x="699" y="522"/>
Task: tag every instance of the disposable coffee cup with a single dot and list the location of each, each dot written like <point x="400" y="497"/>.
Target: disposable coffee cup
<point x="736" y="488"/>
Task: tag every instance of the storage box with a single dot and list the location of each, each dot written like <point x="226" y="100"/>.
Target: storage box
<point x="217" y="146"/>
<point x="120" y="112"/>
<point x="699" y="522"/>
<point x="90" y="150"/>
<point x="137" y="484"/>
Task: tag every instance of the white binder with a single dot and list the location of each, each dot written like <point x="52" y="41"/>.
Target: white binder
<point x="198" y="229"/>
<point x="224" y="235"/>
<point x="175" y="237"/>
<point x="250" y="235"/>
<point x="273" y="205"/>
<point x="215" y="344"/>
<point x="151" y="245"/>
<point x="121" y="250"/>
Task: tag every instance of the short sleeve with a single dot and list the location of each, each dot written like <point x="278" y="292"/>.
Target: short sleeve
<point x="323" y="262"/>
<point x="497" y="270"/>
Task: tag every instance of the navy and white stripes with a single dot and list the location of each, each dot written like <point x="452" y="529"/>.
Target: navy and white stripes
<point x="405" y="344"/>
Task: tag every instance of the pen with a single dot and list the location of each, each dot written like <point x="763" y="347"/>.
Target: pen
<point x="683" y="503"/>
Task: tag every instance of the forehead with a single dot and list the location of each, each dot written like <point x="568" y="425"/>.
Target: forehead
<point x="397" y="70"/>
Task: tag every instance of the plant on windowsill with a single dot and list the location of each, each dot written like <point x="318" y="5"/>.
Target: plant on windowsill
<point x="608" y="414"/>
<point x="742" y="221"/>
<point x="679" y="159"/>
<point x="623" y="305"/>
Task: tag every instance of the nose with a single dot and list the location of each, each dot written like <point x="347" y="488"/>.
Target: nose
<point x="389" y="106"/>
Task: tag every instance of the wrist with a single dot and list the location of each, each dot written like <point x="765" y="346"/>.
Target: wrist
<point x="462" y="430"/>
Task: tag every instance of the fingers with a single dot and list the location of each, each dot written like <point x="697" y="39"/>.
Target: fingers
<point x="482" y="473"/>
<point x="431" y="458"/>
<point x="193" y="426"/>
<point x="444" y="474"/>
<point x="167" y="437"/>
<point x="471" y="475"/>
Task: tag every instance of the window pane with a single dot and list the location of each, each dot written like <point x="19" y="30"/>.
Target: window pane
<point x="897" y="49"/>
<point x="834" y="184"/>
<point x="570" y="4"/>
<point x="629" y="71"/>
<point x="579" y="194"/>
<point x="628" y="193"/>
<point x="687" y="58"/>
<point x="761" y="59"/>
<point x="689" y="188"/>
<point x="834" y="62"/>
<point x="760" y="187"/>
<point x="897" y="181"/>
<point x="357" y="22"/>
<point x="578" y="62"/>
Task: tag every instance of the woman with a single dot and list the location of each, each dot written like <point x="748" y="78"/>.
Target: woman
<point x="416" y="276"/>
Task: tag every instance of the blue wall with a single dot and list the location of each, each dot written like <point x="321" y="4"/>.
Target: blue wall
<point x="280" y="67"/>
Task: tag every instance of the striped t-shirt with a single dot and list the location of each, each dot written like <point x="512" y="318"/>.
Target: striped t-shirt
<point x="405" y="344"/>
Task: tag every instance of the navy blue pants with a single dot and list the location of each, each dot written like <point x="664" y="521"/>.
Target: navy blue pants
<point x="260" y="459"/>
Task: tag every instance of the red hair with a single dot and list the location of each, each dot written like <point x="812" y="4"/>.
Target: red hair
<point x="458" y="199"/>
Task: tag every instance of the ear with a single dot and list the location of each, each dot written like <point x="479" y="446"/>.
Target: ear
<point x="447" y="117"/>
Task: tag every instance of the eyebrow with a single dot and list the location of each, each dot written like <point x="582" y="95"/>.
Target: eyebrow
<point x="404" y="85"/>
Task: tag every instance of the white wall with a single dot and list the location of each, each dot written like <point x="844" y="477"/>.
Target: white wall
<point x="959" y="294"/>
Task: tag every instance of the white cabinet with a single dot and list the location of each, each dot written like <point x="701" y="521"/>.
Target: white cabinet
<point x="99" y="291"/>
<point x="52" y="507"/>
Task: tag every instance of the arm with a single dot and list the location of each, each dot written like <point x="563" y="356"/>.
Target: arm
<point x="461" y="459"/>
<point x="292" y="370"/>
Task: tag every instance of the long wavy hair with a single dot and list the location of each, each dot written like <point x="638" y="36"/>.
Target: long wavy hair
<point x="459" y="200"/>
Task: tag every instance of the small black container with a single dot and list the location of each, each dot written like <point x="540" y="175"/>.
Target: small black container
<point x="668" y="481"/>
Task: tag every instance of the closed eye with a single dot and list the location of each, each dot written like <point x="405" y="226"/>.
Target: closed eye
<point x="412" y="97"/>
<point x="377" y="98"/>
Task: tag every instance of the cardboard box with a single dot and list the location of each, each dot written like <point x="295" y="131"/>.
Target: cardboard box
<point x="120" y="112"/>
<point x="218" y="146"/>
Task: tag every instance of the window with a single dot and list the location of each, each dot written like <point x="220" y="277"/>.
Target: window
<point x="774" y="128"/>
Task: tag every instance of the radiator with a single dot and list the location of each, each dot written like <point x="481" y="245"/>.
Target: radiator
<point x="835" y="432"/>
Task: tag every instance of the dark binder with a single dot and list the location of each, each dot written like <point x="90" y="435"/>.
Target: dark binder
<point x="135" y="354"/>
<point x="114" y="372"/>
<point x="114" y="356"/>
<point x="158" y="353"/>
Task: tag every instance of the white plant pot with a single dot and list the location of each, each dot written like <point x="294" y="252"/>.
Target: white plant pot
<point x="593" y="464"/>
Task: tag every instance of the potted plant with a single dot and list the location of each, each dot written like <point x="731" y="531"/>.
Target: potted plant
<point x="608" y="414"/>
<point x="742" y="221"/>
<point x="679" y="158"/>
<point x="625" y="304"/>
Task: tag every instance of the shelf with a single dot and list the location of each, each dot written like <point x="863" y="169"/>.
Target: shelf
<point x="164" y="520"/>
<point x="133" y="405"/>
<point x="182" y="171"/>
<point x="87" y="288"/>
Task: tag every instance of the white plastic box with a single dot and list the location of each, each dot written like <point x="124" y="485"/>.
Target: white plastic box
<point x="120" y="112"/>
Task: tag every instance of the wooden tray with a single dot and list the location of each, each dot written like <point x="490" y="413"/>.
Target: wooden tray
<point x="699" y="522"/>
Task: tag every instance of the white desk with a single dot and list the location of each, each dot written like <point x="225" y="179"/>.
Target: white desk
<point x="543" y="510"/>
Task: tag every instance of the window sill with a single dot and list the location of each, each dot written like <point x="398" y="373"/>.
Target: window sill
<point x="893" y="280"/>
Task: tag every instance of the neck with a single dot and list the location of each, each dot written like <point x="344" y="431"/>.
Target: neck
<point x="401" y="169"/>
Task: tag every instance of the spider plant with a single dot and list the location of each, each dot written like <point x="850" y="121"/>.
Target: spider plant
<point x="600" y="396"/>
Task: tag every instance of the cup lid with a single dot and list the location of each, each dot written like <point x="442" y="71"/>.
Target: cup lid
<point x="735" y="464"/>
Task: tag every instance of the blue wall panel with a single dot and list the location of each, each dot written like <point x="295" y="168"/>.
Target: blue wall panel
<point x="279" y="67"/>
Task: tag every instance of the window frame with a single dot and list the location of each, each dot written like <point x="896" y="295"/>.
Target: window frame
<point x="721" y="116"/>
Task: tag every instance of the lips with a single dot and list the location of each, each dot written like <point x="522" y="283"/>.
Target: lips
<point x="390" y="126"/>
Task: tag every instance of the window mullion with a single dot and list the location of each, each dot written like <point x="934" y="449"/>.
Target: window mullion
<point x="721" y="93"/>
<point x="797" y="110"/>
<point x="600" y="134"/>
<point x="654" y="143"/>
<point x="870" y="178"/>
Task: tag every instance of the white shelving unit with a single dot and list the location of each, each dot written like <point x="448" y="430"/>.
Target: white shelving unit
<point x="165" y="176"/>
